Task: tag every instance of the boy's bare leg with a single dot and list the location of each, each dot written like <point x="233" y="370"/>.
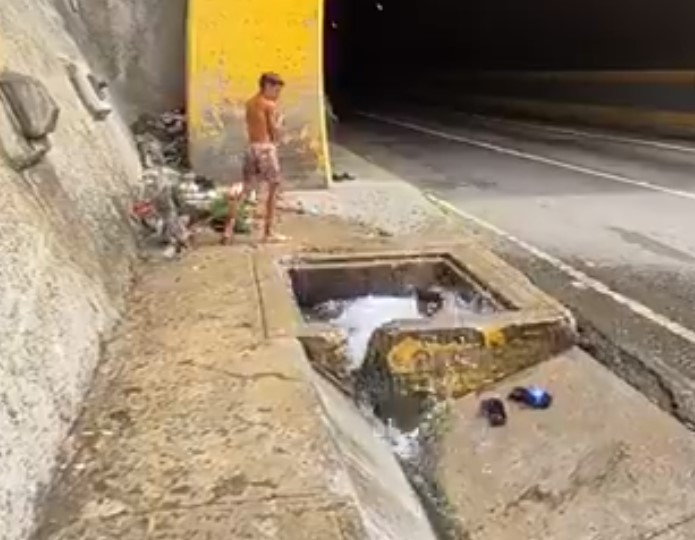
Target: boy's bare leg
<point x="258" y="211"/>
<point x="271" y="203"/>
<point x="233" y="201"/>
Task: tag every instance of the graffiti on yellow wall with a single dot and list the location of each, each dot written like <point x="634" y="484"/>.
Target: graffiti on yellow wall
<point x="412" y="355"/>
<point x="446" y="368"/>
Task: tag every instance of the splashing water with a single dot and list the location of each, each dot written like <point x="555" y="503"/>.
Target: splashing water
<point x="405" y="444"/>
<point x="364" y="315"/>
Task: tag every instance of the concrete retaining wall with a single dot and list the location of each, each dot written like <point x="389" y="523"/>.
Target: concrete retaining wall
<point x="139" y="46"/>
<point x="66" y="253"/>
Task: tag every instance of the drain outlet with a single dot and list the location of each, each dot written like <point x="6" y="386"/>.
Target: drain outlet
<point x="418" y="324"/>
<point x="404" y="333"/>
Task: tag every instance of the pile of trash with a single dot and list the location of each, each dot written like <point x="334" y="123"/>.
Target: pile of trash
<point x="162" y="140"/>
<point x="173" y="201"/>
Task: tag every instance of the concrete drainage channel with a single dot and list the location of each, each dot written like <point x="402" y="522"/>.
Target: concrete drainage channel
<point x="398" y="335"/>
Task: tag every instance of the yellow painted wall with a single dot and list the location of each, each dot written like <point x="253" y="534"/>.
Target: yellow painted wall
<point x="231" y="42"/>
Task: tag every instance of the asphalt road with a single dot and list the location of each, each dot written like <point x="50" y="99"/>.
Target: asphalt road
<point x="603" y="221"/>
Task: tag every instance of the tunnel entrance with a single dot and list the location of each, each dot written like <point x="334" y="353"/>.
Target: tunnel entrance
<point x="527" y="58"/>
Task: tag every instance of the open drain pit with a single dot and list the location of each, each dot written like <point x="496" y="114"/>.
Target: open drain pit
<point x="417" y="324"/>
<point x="402" y="333"/>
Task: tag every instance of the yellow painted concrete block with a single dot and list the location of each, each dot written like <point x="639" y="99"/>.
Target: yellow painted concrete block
<point x="494" y="337"/>
<point x="230" y="43"/>
<point x="454" y="363"/>
<point x="450" y="368"/>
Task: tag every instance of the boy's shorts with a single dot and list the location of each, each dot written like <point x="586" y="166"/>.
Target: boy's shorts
<point x="261" y="164"/>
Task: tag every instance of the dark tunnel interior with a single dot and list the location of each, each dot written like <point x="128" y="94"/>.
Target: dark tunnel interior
<point x="405" y="49"/>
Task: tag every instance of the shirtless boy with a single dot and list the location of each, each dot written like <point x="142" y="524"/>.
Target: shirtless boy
<point x="261" y="163"/>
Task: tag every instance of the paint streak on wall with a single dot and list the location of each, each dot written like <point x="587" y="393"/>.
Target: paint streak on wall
<point x="231" y="42"/>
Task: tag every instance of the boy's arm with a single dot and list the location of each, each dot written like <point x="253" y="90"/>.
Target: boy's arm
<point x="273" y="118"/>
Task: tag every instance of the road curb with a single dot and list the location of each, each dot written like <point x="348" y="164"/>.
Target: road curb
<point x="662" y="384"/>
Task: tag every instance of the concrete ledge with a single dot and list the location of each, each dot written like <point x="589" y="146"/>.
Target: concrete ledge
<point x="603" y="462"/>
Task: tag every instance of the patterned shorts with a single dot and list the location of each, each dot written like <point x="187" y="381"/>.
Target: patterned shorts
<point x="261" y="164"/>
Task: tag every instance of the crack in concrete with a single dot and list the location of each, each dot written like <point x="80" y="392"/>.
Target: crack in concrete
<point x="653" y="535"/>
<point x="253" y="377"/>
<point x="308" y="502"/>
<point x="653" y="246"/>
<point x="259" y="295"/>
<point x="246" y="424"/>
<point x="237" y="485"/>
<point x="591" y="472"/>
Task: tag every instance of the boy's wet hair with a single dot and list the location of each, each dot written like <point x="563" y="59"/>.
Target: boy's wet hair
<point x="270" y="79"/>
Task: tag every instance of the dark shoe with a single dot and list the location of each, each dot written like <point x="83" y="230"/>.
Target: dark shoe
<point x="493" y="410"/>
<point x="343" y="177"/>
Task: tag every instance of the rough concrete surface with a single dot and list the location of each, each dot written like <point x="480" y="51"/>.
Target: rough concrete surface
<point x="139" y="46"/>
<point x="65" y="258"/>
<point x="377" y="198"/>
<point x="389" y="507"/>
<point x="602" y="463"/>
<point x="199" y="426"/>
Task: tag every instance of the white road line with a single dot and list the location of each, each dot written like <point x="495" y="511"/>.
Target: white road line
<point x="588" y="134"/>
<point x="577" y="275"/>
<point x="531" y="157"/>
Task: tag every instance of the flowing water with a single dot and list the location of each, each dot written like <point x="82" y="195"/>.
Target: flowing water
<point x="359" y="318"/>
<point x="404" y="422"/>
<point x="362" y="316"/>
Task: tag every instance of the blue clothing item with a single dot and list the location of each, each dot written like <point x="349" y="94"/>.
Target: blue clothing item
<point x="534" y="397"/>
